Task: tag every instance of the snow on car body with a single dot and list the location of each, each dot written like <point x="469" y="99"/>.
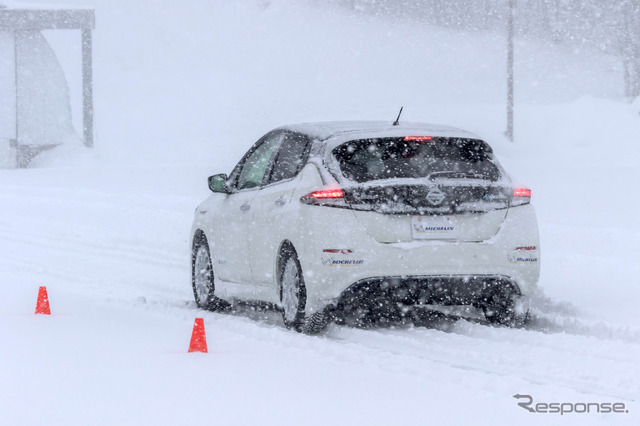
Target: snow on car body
<point x="349" y="216"/>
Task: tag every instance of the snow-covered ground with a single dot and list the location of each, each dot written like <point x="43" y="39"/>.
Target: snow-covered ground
<point x="182" y="90"/>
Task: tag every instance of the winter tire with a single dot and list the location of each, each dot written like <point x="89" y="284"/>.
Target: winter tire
<point x="500" y="310"/>
<point x="293" y="293"/>
<point x="316" y="323"/>
<point x="202" y="279"/>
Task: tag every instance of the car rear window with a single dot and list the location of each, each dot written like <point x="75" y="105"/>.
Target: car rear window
<point x="388" y="158"/>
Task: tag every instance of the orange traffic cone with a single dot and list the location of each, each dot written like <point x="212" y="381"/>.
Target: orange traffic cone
<point x="42" y="306"/>
<point x="198" y="338"/>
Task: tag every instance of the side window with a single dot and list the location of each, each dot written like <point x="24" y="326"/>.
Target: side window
<point x="291" y="157"/>
<point x="255" y="164"/>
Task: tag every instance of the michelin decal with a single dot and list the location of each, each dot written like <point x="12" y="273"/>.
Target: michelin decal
<point x="524" y="257"/>
<point x="331" y="261"/>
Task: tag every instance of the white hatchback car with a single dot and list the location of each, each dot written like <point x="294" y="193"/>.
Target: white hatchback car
<point x="357" y="221"/>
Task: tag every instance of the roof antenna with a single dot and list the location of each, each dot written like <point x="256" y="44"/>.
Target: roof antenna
<point x="395" y="123"/>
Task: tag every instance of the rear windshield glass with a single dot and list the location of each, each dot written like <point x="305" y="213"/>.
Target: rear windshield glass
<point x="388" y="158"/>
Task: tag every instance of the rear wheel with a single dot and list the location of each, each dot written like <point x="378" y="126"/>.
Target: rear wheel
<point x="501" y="310"/>
<point x="293" y="294"/>
<point x="317" y="322"/>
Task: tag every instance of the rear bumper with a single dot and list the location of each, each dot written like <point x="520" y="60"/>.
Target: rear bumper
<point x="459" y="267"/>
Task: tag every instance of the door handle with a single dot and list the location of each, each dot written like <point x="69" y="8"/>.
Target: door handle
<point x="281" y="201"/>
<point x="245" y="207"/>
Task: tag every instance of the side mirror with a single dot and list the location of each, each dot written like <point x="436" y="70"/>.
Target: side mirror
<point x="218" y="183"/>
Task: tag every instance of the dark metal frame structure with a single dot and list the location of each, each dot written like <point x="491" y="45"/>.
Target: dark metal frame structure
<point x="509" y="132"/>
<point x="84" y="20"/>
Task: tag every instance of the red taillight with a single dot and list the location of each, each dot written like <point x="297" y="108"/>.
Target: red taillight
<point x="521" y="196"/>
<point x="327" y="193"/>
<point x="326" y="196"/>
<point x="417" y="138"/>
<point x="522" y="192"/>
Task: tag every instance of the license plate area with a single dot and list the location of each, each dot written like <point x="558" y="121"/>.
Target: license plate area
<point x="434" y="227"/>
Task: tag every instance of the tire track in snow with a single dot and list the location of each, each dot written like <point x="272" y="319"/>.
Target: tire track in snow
<point x="107" y="271"/>
<point x="497" y="353"/>
<point x="124" y="251"/>
<point x="405" y="351"/>
<point x="470" y="347"/>
<point x="151" y="276"/>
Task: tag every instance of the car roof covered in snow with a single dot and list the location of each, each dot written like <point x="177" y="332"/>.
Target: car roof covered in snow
<point x="348" y="130"/>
